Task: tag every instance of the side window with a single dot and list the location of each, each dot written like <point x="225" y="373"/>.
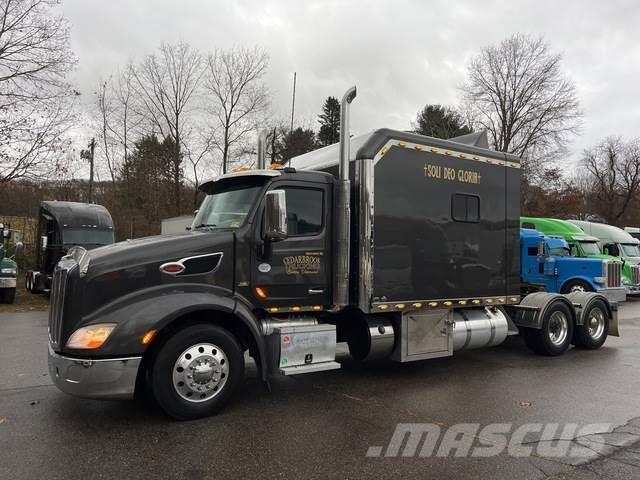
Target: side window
<point x="465" y="208"/>
<point x="304" y="211"/>
<point x="532" y="251"/>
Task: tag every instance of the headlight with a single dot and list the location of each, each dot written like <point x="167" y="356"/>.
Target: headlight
<point x="91" y="336"/>
<point x="600" y="280"/>
<point x="625" y="281"/>
<point x="8" y="271"/>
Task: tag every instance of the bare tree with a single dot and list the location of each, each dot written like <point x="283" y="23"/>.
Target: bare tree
<point x="36" y="101"/>
<point x="166" y="83"/>
<point x="198" y="153"/>
<point x="516" y="91"/>
<point x="614" y="168"/>
<point x="237" y="97"/>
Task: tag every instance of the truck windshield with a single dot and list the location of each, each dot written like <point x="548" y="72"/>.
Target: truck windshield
<point x="227" y="208"/>
<point x="560" y="251"/>
<point x="590" y="248"/>
<point x="86" y="236"/>
<point x="630" y="249"/>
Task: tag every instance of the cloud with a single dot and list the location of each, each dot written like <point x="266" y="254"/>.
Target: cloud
<point x="401" y="54"/>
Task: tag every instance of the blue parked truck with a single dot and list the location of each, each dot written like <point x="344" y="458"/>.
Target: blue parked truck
<point x="546" y="265"/>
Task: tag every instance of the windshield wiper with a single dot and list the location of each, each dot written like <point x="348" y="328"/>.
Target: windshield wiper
<point x="205" y="225"/>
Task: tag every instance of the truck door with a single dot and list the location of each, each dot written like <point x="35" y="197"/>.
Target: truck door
<point x="296" y="272"/>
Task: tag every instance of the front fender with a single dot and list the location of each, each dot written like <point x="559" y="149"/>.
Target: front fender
<point x="155" y="308"/>
<point x="588" y="280"/>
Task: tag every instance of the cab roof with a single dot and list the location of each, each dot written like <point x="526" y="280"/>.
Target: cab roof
<point x="77" y="215"/>
<point x="554" y="226"/>
<point x="368" y="145"/>
<point x="605" y="233"/>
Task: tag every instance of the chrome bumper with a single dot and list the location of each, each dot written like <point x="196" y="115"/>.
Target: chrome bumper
<point x="100" y="379"/>
<point x="614" y="294"/>
<point x="633" y="290"/>
<point x="7" y="282"/>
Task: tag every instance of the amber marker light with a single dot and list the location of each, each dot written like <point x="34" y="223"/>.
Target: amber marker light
<point x="295" y="309"/>
<point x="417" y="305"/>
<point x="146" y="339"/>
<point x="274" y="309"/>
<point x="317" y="308"/>
<point x="418" y="147"/>
<point x="434" y="150"/>
<point x="448" y="303"/>
<point x="383" y="307"/>
<point x="462" y="302"/>
<point x="433" y="304"/>
<point x="261" y="293"/>
<point x="475" y="302"/>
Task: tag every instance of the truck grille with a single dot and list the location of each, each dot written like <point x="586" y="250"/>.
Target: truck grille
<point x="635" y="274"/>
<point x="56" y="307"/>
<point x="614" y="274"/>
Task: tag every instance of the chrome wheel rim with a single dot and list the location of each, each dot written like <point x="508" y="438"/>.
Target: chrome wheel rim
<point x="577" y="288"/>
<point x="200" y="372"/>
<point x="558" y="328"/>
<point x="596" y="323"/>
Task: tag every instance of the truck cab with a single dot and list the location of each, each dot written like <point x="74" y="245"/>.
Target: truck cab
<point x="617" y="243"/>
<point x="547" y="265"/>
<point x="8" y="267"/>
<point x="582" y="244"/>
<point x="61" y="226"/>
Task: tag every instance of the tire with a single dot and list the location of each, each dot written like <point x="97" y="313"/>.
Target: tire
<point x="576" y="286"/>
<point x="556" y="334"/>
<point x="182" y="386"/>
<point x="7" y="295"/>
<point x="593" y="333"/>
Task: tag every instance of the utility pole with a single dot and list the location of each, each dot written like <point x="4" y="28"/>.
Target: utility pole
<point x="88" y="155"/>
<point x="293" y="103"/>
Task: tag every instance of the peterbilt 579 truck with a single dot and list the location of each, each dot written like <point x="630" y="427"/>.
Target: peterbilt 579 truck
<point x="403" y="246"/>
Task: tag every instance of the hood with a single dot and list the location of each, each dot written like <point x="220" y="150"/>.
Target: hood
<point x="132" y="266"/>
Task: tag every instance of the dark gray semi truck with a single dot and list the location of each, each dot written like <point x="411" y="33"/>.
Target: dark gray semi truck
<point x="401" y="246"/>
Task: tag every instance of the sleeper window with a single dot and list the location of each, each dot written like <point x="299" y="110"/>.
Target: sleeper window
<point x="465" y="208"/>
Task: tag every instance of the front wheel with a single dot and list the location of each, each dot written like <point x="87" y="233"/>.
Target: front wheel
<point x="196" y="371"/>
<point x="576" y="286"/>
<point x="555" y="335"/>
<point x="595" y="328"/>
<point x="7" y="295"/>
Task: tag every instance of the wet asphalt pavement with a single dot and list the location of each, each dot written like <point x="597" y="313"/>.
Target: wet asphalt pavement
<point x="322" y="425"/>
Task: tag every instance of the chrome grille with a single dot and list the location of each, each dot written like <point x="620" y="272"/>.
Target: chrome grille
<point x="614" y="274"/>
<point x="635" y="274"/>
<point x="56" y="307"/>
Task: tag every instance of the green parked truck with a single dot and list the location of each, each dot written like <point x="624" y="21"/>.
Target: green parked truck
<point x="8" y="267"/>
<point x="584" y="245"/>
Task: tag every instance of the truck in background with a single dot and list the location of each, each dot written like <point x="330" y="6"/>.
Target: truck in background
<point x="402" y="246"/>
<point x="547" y="265"/>
<point x="8" y="266"/>
<point x="614" y="241"/>
<point x="61" y="226"/>
<point x="633" y="231"/>
<point x="582" y="244"/>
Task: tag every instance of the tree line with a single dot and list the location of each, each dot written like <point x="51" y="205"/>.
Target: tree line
<point x="177" y="115"/>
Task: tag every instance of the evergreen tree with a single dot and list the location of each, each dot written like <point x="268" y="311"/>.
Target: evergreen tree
<point x="295" y="143"/>
<point x="329" y="122"/>
<point x="440" y="122"/>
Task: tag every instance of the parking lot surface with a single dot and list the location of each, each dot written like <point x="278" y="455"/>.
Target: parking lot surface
<point x="336" y="424"/>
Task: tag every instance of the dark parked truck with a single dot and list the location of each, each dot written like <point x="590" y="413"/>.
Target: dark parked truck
<point x="8" y="267"/>
<point x="546" y="265"/>
<point x="403" y="246"/>
<point x="62" y="225"/>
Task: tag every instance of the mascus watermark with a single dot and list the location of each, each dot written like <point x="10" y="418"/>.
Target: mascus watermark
<point x="474" y="440"/>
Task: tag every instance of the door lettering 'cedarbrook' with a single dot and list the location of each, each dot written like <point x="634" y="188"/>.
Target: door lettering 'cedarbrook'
<point x="302" y="264"/>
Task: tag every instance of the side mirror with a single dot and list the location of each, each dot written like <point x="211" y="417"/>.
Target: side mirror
<point x="541" y="249"/>
<point x="19" y="245"/>
<point x="43" y="242"/>
<point x="275" y="215"/>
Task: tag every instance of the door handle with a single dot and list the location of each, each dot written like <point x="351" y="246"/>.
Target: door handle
<point x="315" y="291"/>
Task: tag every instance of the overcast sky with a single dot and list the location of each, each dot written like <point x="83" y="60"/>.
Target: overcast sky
<point x="401" y="54"/>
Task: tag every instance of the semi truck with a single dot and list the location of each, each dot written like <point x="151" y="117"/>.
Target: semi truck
<point x="397" y="245"/>
<point x="8" y="266"/>
<point x="583" y="244"/>
<point x="61" y="226"/>
<point x="614" y="241"/>
<point x="547" y="265"/>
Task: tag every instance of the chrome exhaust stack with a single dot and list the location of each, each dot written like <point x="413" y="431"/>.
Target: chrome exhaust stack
<point x="343" y="208"/>
<point x="262" y="146"/>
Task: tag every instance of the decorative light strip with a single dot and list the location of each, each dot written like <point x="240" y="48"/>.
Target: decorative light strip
<point x="444" y="303"/>
<point x="449" y="153"/>
<point x="294" y="309"/>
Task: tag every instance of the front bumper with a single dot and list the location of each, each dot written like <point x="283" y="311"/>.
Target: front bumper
<point x="7" y="282"/>
<point x="108" y="379"/>
<point x="633" y="290"/>
<point x="614" y="294"/>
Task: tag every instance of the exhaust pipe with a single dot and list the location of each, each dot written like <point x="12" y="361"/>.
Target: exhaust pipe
<point x="262" y="146"/>
<point x="343" y="208"/>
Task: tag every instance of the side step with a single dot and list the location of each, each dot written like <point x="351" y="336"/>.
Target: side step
<point x="302" y="349"/>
